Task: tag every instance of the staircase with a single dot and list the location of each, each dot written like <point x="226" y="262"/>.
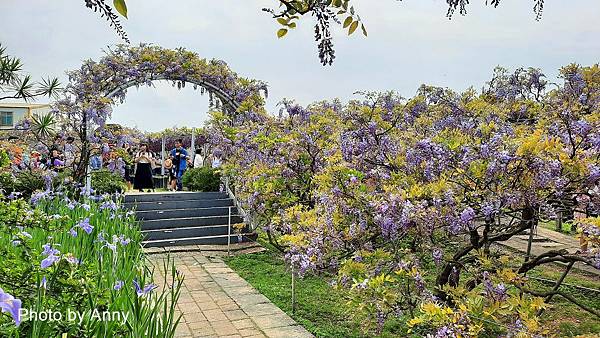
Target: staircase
<point x="187" y="218"/>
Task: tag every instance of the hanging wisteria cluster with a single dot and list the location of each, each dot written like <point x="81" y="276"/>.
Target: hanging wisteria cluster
<point x="405" y="198"/>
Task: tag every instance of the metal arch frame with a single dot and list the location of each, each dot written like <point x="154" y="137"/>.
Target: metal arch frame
<point x="224" y="97"/>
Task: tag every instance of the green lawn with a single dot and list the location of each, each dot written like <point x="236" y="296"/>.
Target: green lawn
<point x="322" y="310"/>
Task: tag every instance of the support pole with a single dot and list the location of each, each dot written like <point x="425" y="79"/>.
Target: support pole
<point x="193" y="145"/>
<point x="559" y="220"/>
<point x="162" y="157"/>
<point x="229" y="233"/>
<point x="88" y="174"/>
<point x="293" y="290"/>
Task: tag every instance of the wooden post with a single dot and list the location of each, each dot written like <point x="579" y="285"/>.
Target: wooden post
<point x="559" y="221"/>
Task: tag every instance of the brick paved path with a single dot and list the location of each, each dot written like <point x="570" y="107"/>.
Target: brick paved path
<point x="217" y="302"/>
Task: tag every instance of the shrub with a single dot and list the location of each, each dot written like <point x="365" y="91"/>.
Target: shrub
<point x="27" y="182"/>
<point x="7" y="182"/>
<point x="105" y="181"/>
<point x="4" y="160"/>
<point x="202" y="179"/>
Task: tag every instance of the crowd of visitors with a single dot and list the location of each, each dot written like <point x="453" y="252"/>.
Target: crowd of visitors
<point x="138" y="164"/>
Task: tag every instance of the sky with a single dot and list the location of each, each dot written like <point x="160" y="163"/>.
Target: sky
<point x="410" y="42"/>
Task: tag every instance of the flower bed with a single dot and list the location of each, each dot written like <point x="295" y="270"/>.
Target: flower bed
<point x="77" y="269"/>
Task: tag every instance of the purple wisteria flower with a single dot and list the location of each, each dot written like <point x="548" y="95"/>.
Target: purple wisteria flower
<point x="145" y="291"/>
<point x="10" y="304"/>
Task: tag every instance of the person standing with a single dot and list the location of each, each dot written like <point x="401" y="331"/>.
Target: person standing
<point x="198" y="158"/>
<point x="179" y="158"/>
<point x="170" y="172"/>
<point x="69" y="152"/>
<point x="143" y="169"/>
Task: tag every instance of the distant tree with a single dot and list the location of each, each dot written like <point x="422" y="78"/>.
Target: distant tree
<point x="289" y="12"/>
<point x="16" y="85"/>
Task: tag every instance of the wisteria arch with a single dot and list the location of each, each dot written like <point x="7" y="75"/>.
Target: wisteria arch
<point x="99" y="85"/>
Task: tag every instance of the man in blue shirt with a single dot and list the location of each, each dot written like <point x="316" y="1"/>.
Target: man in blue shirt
<point x="179" y="157"/>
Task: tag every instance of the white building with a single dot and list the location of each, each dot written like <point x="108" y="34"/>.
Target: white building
<point x="12" y="113"/>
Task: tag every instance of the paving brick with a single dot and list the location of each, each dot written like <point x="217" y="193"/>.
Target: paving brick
<point x="224" y="328"/>
<point x="273" y="320"/>
<point x="215" y="315"/>
<point x="236" y="314"/>
<point x="208" y="306"/>
<point x="243" y="324"/>
<point x="250" y="332"/>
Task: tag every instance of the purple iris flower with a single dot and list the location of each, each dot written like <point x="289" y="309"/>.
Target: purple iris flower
<point x="52" y="256"/>
<point x="145" y="291"/>
<point x="118" y="285"/>
<point x="71" y="259"/>
<point x="86" y="226"/>
<point x="49" y="261"/>
<point x="73" y="232"/>
<point x="14" y="195"/>
<point x="11" y="305"/>
<point x="44" y="283"/>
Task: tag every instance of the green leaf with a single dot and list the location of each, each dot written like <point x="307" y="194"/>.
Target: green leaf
<point x="353" y="27"/>
<point x="347" y="22"/>
<point x="364" y="30"/>
<point x="282" y="21"/>
<point x="121" y="7"/>
<point x="292" y="25"/>
<point x="281" y="33"/>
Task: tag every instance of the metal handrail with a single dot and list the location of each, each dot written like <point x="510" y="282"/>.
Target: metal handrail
<point x="245" y="215"/>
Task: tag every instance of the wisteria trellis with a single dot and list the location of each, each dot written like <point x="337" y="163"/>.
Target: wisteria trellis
<point x="99" y="85"/>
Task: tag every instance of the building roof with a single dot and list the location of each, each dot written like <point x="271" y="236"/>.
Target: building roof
<point x="23" y="105"/>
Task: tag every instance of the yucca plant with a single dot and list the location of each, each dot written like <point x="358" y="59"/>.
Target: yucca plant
<point x="43" y="126"/>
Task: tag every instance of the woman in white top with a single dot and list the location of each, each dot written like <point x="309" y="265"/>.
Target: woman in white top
<point x="199" y="158"/>
<point x="143" y="169"/>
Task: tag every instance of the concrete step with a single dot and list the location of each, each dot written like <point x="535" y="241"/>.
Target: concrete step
<point x="213" y="240"/>
<point x="187" y="232"/>
<point x="174" y="196"/>
<point x="179" y="204"/>
<point x="189" y="222"/>
<point x="184" y="213"/>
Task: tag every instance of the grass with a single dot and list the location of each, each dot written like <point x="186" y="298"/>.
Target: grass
<point x="564" y="316"/>
<point x="566" y="227"/>
<point x="322" y="310"/>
